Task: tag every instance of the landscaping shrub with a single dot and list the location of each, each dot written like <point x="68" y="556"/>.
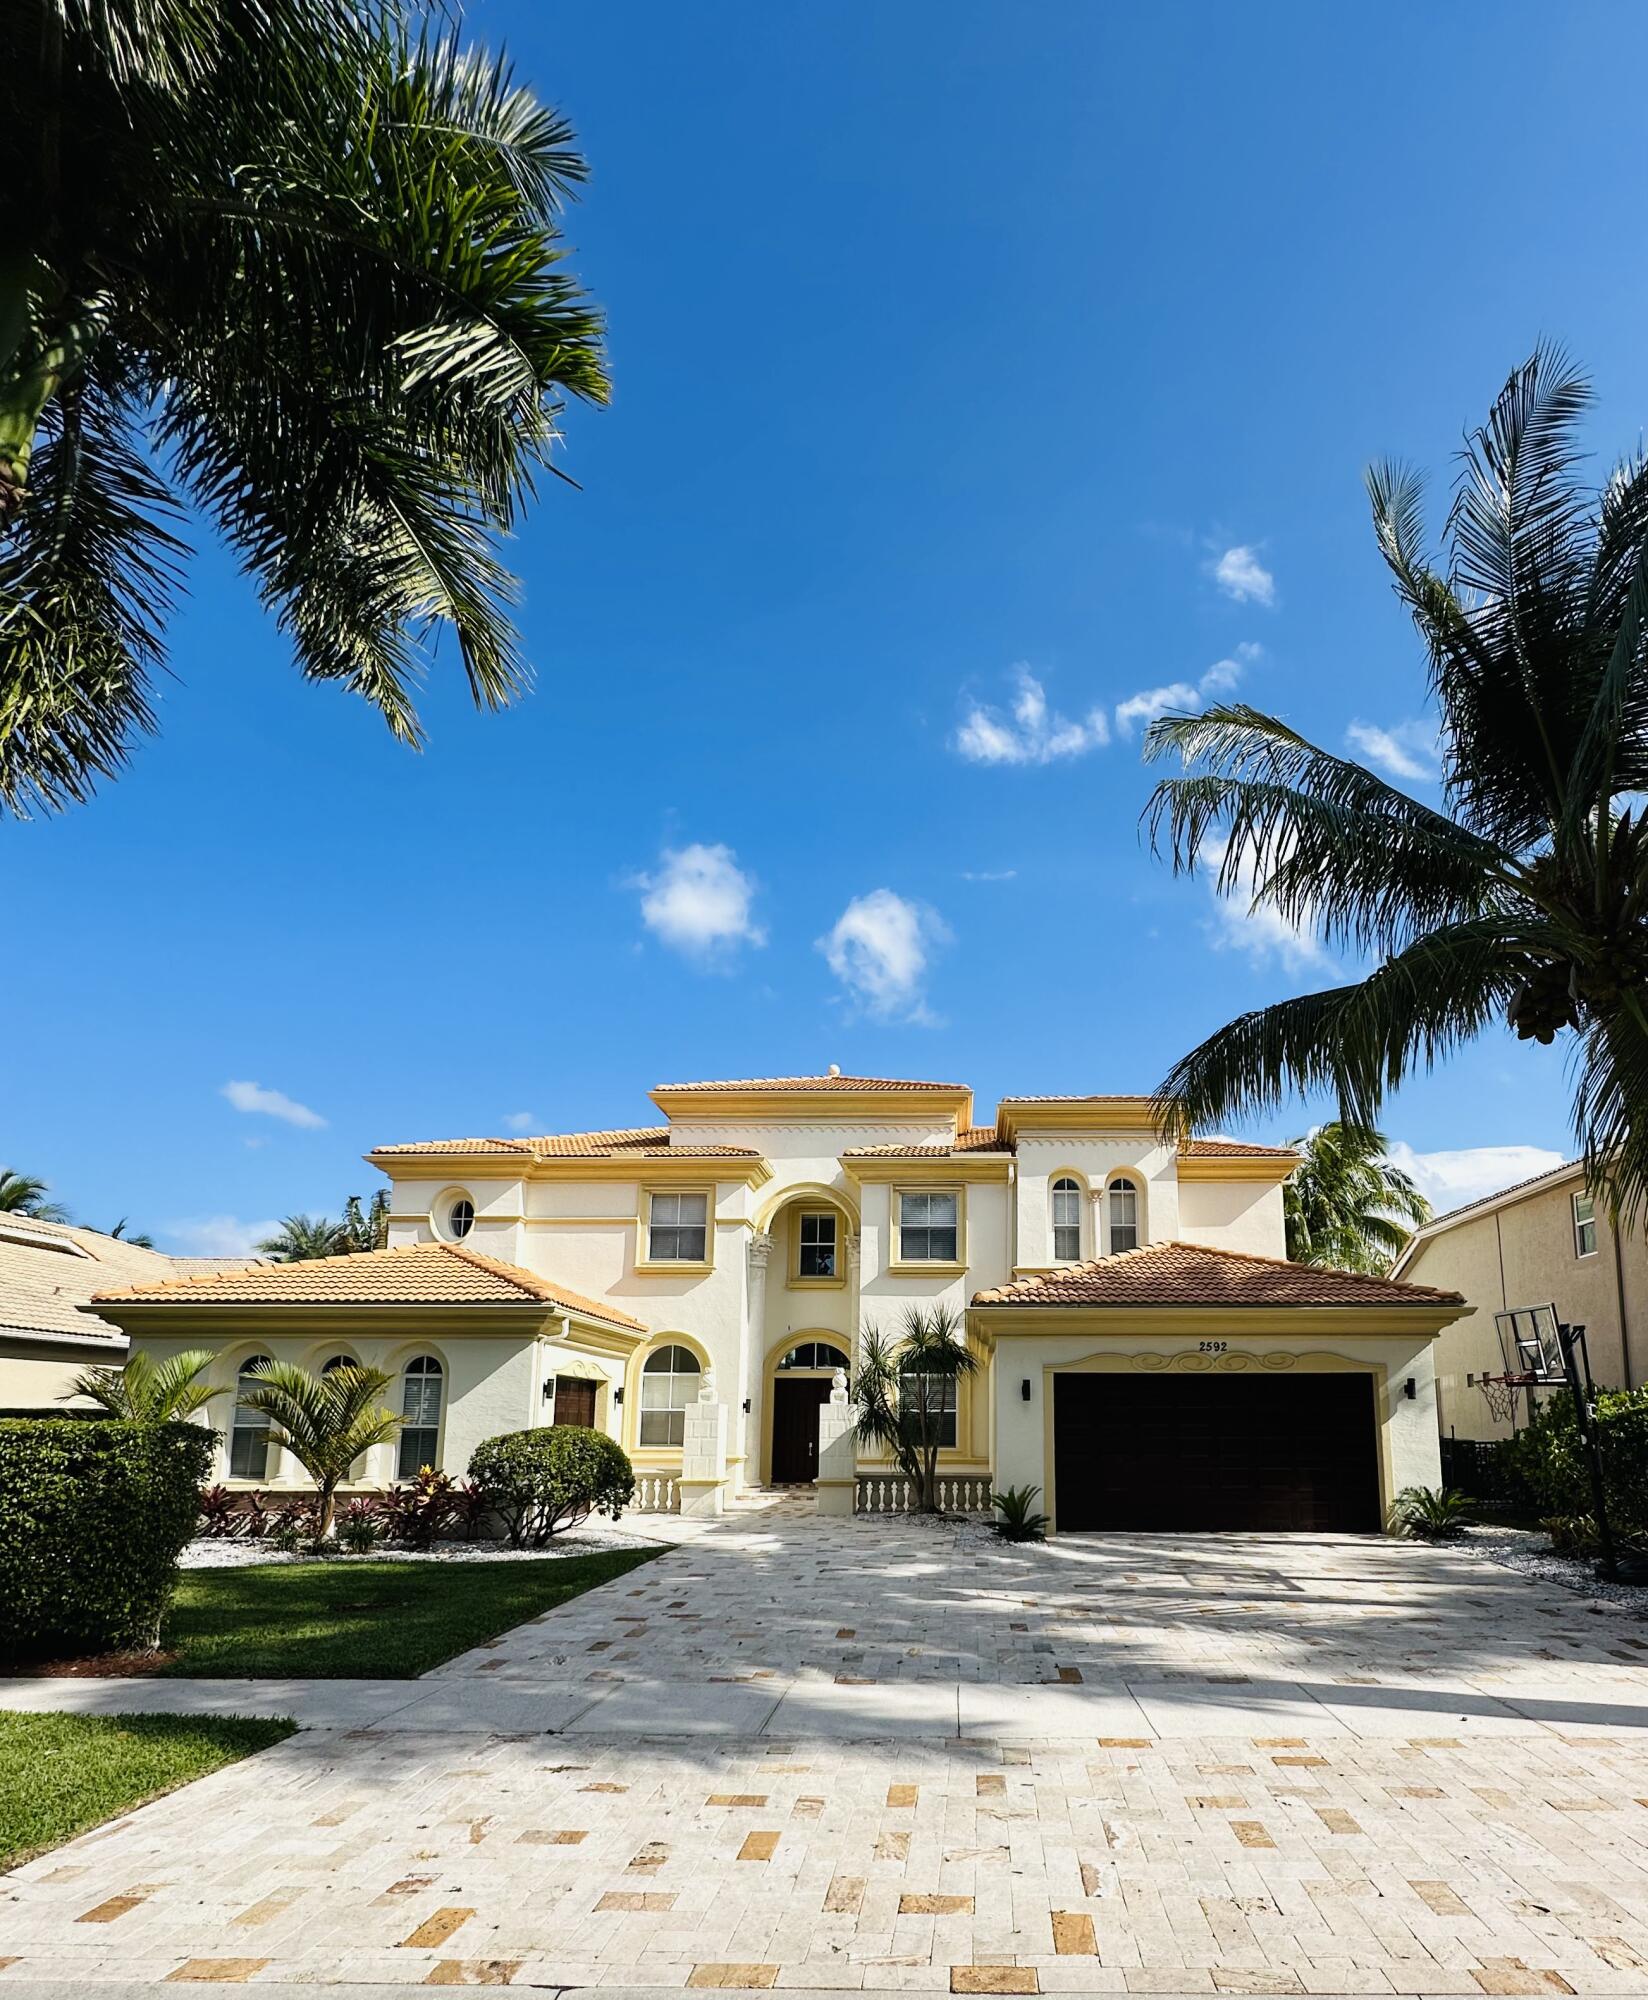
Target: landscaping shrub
<point x="416" y="1513"/>
<point x="1431" y="1513"/>
<point x="93" y="1516"/>
<point x="1546" y="1453"/>
<point x="540" y="1482"/>
<point x="1021" y="1521"/>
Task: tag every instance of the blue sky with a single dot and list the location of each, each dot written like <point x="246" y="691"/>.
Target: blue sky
<point x="979" y="371"/>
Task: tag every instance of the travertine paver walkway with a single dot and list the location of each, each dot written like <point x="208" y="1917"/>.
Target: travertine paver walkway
<point x="877" y="1755"/>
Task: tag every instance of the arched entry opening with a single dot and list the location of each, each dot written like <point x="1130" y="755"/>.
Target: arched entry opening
<point x="800" y="1373"/>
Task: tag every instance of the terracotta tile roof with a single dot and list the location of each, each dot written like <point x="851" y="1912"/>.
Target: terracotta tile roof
<point x="975" y="1139"/>
<point x="1079" y="1097"/>
<point x="648" y="1142"/>
<point x="1552" y="1176"/>
<point x="434" y="1274"/>
<point x="1234" y="1149"/>
<point x="833" y="1082"/>
<point x="48" y="1270"/>
<point x="1192" y="1274"/>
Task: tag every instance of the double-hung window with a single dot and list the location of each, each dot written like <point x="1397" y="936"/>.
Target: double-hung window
<point x="929" y="1402"/>
<point x="1585" y="1241"/>
<point x="816" y="1249"/>
<point x="929" y="1226"/>
<point x="420" y="1435"/>
<point x="1067" y="1201"/>
<point x="1124" y="1217"/>
<point x="670" y="1380"/>
<point x="249" y="1428"/>
<point x="678" y="1229"/>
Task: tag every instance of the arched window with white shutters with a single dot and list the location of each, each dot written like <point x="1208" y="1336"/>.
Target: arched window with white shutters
<point x="422" y="1385"/>
<point x="1122" y="1200"/>
<point x="249" y="1428"/>
<point x="1067" y="1220"/>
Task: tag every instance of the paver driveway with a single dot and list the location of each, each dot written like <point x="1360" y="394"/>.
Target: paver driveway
<point x="874" y="1754"/>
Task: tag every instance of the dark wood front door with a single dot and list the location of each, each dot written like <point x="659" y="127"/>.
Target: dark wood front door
<point x="575" y="1401"/>
<point x="795" y="1428"/>
<point x="1289" y="1453"/>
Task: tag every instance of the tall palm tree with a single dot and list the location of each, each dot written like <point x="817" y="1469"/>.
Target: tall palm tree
<point x="25" y="1194"/>
<point x="294" y="267"/>
<point x="147" y="1391"/>
<point x="324" y="1421"/>
<point x="1345" y="1203"/>
<point x="368" y="1228"/>
<point x="1524" y="895"/>
<point x="302" y="1238"/>
<point x="905" y="1390"/>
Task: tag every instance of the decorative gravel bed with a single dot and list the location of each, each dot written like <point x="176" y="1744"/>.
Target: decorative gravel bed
<point x="216" y="1552"/>
<point x="1528" y="1553"/>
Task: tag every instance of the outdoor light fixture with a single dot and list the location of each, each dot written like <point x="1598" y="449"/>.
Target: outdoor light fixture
<point x="746" y="1406"/>
<point x="1410" y="1388"/>
<point x="618" y="1394"/>
<point x="1024" y="1388"/>
<point x="549" y="1391"/>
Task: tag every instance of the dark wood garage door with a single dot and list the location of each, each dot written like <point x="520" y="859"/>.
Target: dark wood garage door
<point x="1274" y="1452"/>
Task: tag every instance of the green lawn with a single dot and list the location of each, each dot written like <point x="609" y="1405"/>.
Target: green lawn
<point x="60" y="1774"/>
<point x="355" y="1620"/>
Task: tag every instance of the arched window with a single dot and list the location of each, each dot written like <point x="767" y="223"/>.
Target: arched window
<point x="1124" y="1217"/>
<point x="460" y="1218"/>
<point x="1067" y="1199"/>
<point x="421" y="1414"/>
<point x="669" y="1382"/>
<point x="249" y="1430"/>
<point x="339" y="1361"/>
<point x="814" y="1354"/>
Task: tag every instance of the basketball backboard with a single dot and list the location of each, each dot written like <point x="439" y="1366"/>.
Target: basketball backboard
<point x="1529" y="1342"/>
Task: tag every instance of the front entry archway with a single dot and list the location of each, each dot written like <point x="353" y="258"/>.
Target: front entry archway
<point x="801" y="1384"/>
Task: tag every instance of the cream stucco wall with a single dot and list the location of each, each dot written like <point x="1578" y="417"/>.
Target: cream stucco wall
<point x="37" y="1376"/>
<point x="1233" y="1215"/>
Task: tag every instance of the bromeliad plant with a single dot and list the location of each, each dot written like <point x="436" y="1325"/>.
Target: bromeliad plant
<point x="1523" y="896"/>
<point x="904" y="1393"/>
<point x="1431" y="1513"/>
<point x="146" y="1391"/>
<point x="1020" y="1521"/>
<point x="325" y="1421"/>
<point x="293" y="268"/>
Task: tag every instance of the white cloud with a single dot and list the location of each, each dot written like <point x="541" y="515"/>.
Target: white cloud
<point x="1183" y="696"/>
<point x="1405" y="750"/>
<point x="880" y="949"/>
<point x="1033" y="735"/>
<point x="699" y="901"/>
<point x="1240" y="574"/>
<point x="520" y="1121"/>
<point x="989" y="874"/>
<point x="253" y="1098"/>
<point x="217" y="1235"/>
<point x="1261" y="934"/>
<point x="1451" y="1179"/>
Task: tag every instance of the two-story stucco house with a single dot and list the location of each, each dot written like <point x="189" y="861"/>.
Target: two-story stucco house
<point x="1149" y="1357"/>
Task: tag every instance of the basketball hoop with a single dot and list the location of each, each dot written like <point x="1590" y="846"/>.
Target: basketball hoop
<point x="1499" y="1393"/>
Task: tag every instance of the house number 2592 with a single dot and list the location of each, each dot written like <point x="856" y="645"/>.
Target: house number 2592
<point x="1212" y="1346"/>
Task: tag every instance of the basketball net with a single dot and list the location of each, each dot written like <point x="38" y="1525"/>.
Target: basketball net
<point x="1499" y="1393"/>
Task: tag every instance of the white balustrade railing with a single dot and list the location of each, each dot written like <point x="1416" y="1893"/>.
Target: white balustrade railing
<point x="892" y="1493"/>
<point x="656" y="1493"/>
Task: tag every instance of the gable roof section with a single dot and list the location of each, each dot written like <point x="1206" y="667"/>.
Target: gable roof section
<point x="1192" y="1274"/>
<point x="1468" y="1211"/>
<point x="433" y="1274"/>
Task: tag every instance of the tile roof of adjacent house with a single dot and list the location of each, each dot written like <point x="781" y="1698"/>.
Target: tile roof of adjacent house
<point x="48" y="1270"/>
<point x="833" y="1081"/>
<point x="438" y="1274"/>
<point x="646" y="1142"/>
<point x="1193" y="1274"/>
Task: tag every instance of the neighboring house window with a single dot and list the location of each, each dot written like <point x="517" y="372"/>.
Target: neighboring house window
<point x="928" y="1227"/>
<point x="814" y="1354"/>
<point x="679" y="1229"/>
<point x="460" y="1217"/>
<point x="1066" y="1220"/>
<point x="938" y="1394"/>
<point x="669" y="1382"/>
<point x="816" y="1258"/>
<point x="1584" y="1226"/>
<point x="1124" y="1217"/>
<point x="421" y="1416"/>
<point x="249" y="1432"/>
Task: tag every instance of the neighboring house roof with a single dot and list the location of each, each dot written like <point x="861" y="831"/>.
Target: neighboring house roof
<point x="647" y="1142"/>
<point x="437" y="1274"/>
<point x="48" y="1270"/>
<point x="1553" y="1177"/>
<point x="1193" y="1274"/>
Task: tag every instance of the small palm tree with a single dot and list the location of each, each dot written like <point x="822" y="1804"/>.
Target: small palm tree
<point x="147" y="1391"/>
<point x="302" y="1238"/>
<point x="25" y="1194"/>
<point x="905" y="1391"/>
<point x="140" y="1237"/>
<point x="367" y="1229"/>
<point x="324" y="1421"/>
<point x="1524" y="896"/>
<point x="1345" y="1203"/>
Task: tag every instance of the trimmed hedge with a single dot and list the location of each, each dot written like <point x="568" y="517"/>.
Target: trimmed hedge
<point x="544" y="1480"/>
<point x="93" y="1516"/>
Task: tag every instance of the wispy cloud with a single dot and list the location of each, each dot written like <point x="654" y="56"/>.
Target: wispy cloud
<point x="699" y="901"/>
<point x="260" y="1103"/>
<point x="520" y="1121"/>
<point x="1220" y="679"/>
<point x="1404" y="750"/>
<point x="1452" y="1178"/>
<point x="880" y="948"/>
<point x="217" y="1235"/>
<point x="1261" y="934"/>
<point x="989" y="874"/>
<point x="1240" y="574"/>
<point x="1032" y="733"/>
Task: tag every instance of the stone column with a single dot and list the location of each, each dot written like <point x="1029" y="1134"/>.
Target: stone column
<point x="837" y="1483"/>
<point x="703" y="1480"/>
<point x="748" y="1430"/>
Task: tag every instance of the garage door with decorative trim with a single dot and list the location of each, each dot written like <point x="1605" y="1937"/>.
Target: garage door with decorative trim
<point x="1289" y="1453"/>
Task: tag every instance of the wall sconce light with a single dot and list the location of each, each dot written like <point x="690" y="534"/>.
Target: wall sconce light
<point x="549" y="1392"/>
<point x="746" y="1406"/>
<point x="1410" y="1388"/>
<point x="1024" y="1388"/>
<point x="618" y="1393"/>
